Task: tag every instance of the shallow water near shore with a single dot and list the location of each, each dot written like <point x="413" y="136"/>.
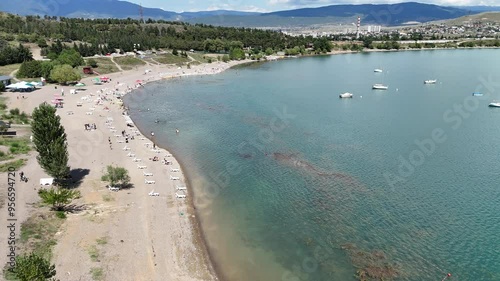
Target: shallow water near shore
<point x="293" y="183"/>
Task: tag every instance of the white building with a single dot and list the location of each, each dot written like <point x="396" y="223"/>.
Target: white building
<point x="374" y="28"/>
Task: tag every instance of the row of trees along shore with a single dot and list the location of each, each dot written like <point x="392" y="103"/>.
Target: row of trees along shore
<point x="101" y="36"/>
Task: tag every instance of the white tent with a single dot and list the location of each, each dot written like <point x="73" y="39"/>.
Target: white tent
<point x="21" y="85"/>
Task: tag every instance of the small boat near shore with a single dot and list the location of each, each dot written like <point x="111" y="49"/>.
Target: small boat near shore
<point x="379" y="87"/>
<point x="477" y="94"/>
<point x="430" y="81"/>
<point x="346" y="95"/>
<point x="494" y="104"/>
<point x="377" y="70"/>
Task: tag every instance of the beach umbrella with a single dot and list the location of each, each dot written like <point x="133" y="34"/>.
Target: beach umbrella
<point x="138" y="81"/>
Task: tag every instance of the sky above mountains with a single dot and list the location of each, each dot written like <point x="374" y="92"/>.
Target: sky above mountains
<point x="278" y="5"/>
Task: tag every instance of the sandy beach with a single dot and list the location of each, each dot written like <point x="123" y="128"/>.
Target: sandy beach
<point x="131" y="234"/>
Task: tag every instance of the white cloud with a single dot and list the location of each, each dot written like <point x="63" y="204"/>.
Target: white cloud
<point x="319" y="3"/>
<point x="249" y="8"/>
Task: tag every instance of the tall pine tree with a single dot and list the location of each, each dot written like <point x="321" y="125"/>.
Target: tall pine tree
<point x="50" y="141"/>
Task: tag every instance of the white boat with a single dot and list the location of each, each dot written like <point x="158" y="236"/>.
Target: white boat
<point x="430" y="81"/>
<point x="345" y="95"/>
<point x="379" y="87"/>
<point x="377" y="70"/>
<point x="494" y="104"/>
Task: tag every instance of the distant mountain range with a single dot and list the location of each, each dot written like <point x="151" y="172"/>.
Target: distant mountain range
<point x="382" y="14"/>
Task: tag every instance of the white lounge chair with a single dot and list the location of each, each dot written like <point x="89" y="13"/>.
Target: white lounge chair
<point x="113" y="131"/>
<point x="181" y="188"/>
<point x="130" y="154"/>
<point x="177" y="195"/>
<point x="120" y="141"/>
<point x="46" y="181"/>
<point x="175" y="170"/>
<point x="142" y="167"/>
<point x="126" y="148"/>
<point x="118" y="136"/>
<point x="89" y="113"/>
<point x="136" y="160"/>
<point x="147" y="174"/>
<point x="168" y="155"/>
<point x="149" y="181"/>
<point x="152" y="193"/>
<point x="113" y="188"/>
<point x="174" y="178"/>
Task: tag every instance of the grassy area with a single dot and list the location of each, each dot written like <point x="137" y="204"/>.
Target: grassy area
<point x="104" y="66"/>
<point x="93" y="253"/>
<point x="16" y="145"/>
<point x="102" y="241"/>
<point x="5" y="156"/>
<point x="128" y="62"/>
<point x="202" y="58"/>
<point x="13" y="164"/>
<point x="97" y="273"/>
<point x="151" y="60"/>
<point x="170" y="59"/>
<point x="14" y="115"/>
<point x="107" y="197"/>
<point x="38" y="232"/>
<point x="7" y="69"/>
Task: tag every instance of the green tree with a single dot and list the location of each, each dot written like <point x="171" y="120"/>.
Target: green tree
<point x="225" y="58"/>
<point x="58" y="198"/>
<point x="50" y="141"/>
<point x="92" y="62"/>
<point x="71" y="57"/>
<point x="269" y="51"/>
<point x="33" y="268"/>
<point x="64" y="74"/>
<point x="236" y="54"/>
<point x="45" y="69"/>
<point x="41" y="43"/>
<point x="2" y="87"/>
<point x="29" y="69"/>
<point x="116" y="176"/>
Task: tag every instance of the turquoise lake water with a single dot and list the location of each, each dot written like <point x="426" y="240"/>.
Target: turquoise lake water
<point x="292" y="183"/>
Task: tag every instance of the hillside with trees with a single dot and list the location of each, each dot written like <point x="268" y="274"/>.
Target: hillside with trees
<point x="102" y="36"/>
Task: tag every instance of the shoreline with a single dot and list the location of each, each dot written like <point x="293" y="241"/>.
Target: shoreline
<point x="199" y="237"/>
<point x="157" y="231"/>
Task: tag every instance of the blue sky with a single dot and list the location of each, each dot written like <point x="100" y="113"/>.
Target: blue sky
<point x="276" y="5"/>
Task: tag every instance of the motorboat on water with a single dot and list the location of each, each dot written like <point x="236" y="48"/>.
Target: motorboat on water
<point x="494" y="104"/>
<point x="379" y="87"/>
<point x="477" y="94"/>
<point x="430" y="81"/>
<point x="377" y="70"/>
<point x="346" y="95"/>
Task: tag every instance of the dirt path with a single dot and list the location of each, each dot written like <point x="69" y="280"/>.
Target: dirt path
<point x="117" y="65"/>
